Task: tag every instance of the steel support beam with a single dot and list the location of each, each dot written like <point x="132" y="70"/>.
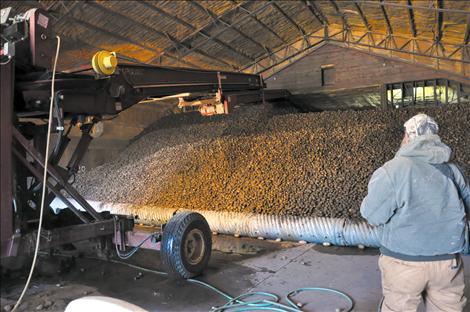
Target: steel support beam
<point x="454" y="52"/>
<point x="73" y="41"/>
<point x="343" y="17"/>
<point x="161" y="34"/>
<point x="409" y="5"/>
<point x="68" y="9"/>
<point x="201" y="33"/>
<point x="54" y="174"/>
<point x="467" y="32"/>
<point x="39" y="175"/>
<point x="364" y="21"/>
<point x="346" y="27"/>
<point x="438" y="31"/>
<point x="405" y="51"/>
<point x="217" y="34"/>
<point x="405" y="44"/>
<point x="66" y="235"/>
<point x="288" y="51"/>
<point x="186" y="39"/>
<point x="440" y="19"/>
<point x="292" y="56"/>
<point x="290" y="20"/>
<point x="386" y="18"/>
<point x="124" y="39"/>
<point x="316" y="12"/>
<point x="363" y="16"/>
<point x="213" y="16"/>
<point x="411" y="19"/>
<point x="263" y="25"/>
<point x="408" y="48"/>
<point x="78" y="4"/>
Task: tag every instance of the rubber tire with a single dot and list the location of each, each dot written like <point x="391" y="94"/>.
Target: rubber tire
<point x="174" y="234"/>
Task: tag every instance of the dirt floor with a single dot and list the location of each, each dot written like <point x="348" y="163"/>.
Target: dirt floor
<point x="264" y="160"/>
<point x="243" y="265"/>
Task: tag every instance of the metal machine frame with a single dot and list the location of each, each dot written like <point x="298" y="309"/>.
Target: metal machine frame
<point x="82" y="99"/>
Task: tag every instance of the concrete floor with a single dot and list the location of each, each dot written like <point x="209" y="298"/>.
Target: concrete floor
<point x="262" y="266"/>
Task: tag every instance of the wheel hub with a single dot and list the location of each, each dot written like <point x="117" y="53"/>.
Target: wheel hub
<point x="194" y="247"/>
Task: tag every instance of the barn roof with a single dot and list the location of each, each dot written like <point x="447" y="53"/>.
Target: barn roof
<point x="259" y="36"/>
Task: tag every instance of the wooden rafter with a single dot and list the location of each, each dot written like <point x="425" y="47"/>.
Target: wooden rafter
<point x="316" y="12"/>
<point x="75" y="5"/>
<point x="386" y="18"/>
<point x="466" y="38"/>
<point x="343" y="17"/>
<point x="161" y="34"/>
<point x="363" y="16"/>
<point x="195" y="39"/>
<point x="411" y="18"/>
<point x="213" y="16"/>
<point x="440" y="18"/>
<point x="263" y="66"/>
<point x="289" y="19"/>
<point x="260" y="23"/>
<point x="223" y="30"/>
<point x="412" y="6"/>
<point x="205" y="28"/>
<point x="193" y="28"/>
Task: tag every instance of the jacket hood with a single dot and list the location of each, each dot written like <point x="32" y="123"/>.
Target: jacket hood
<point x="427" y="148"/>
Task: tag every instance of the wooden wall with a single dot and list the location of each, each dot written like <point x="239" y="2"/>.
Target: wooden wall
<point x="353" y="69"/>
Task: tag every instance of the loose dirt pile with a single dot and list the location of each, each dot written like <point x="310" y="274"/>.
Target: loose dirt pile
<point x="265" y="160"/>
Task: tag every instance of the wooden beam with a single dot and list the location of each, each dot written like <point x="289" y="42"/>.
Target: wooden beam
<point x="417" y="7"/>
<point x="387" y="20"/>
<point x="289" y="19"/>
<point x="193" y="28"/>
<point x="221" y="31"/>
<point x="68" y="9"/>
<point x="204" y="28"/>
<point x="263" y="25"/>
<point x="346" y="25"/>
<point x="440" y="18"/>
<point x="78" y="43"/>
<point x="466" y="38"/>
<point x="411" y="18"/>
<point x="124" y="39"/>
<point x="316" y="12"/>
<point x="363" y="16"/>
<point x="213" y="16"/>
<point x="161" y="34"/>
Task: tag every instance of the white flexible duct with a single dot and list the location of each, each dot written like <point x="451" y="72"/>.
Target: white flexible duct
<point x="335" y="231"/>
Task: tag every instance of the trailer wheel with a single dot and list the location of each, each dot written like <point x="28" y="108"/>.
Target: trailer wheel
<point x="186" y="245"/>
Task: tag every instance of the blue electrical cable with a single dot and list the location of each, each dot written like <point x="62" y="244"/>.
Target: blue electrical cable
<point x="236" y="304"/>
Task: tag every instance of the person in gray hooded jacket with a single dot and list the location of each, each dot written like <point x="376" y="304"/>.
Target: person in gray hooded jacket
<point x="420" y="201"/>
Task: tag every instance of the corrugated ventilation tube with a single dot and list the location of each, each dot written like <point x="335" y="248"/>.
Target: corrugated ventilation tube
<point x="334" y="231"/>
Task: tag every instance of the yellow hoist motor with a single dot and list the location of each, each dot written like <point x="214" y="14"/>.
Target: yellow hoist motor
<point x="104" y="63"/>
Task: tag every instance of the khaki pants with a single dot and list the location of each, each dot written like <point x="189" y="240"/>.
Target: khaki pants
<point x="405" y="283"/>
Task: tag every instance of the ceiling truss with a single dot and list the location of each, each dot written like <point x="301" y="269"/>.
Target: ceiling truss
<point x="260" y="58"/>
<point x="223" y="30"/>
<point x="412" y="47"/>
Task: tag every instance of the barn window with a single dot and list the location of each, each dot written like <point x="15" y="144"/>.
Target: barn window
<point x="327" y="75"/>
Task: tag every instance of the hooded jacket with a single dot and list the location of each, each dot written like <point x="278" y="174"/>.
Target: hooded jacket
<point x="419" y="202"/>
